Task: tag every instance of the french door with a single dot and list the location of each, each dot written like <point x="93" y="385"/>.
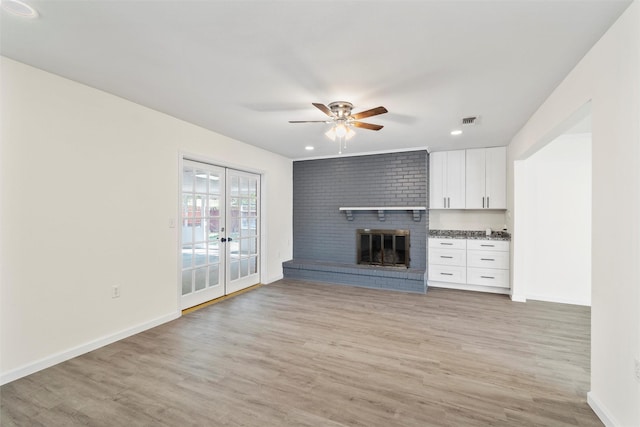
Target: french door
<point x="219" y="233"/>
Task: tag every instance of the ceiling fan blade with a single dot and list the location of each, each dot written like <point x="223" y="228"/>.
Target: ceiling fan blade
<point x="309" y="121"/>
<point x="367" y="126"/>
<point x="369" y="113"/>
<point x="323" y="108"/>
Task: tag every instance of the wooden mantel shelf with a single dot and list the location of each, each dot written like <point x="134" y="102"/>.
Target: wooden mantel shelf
<point x="381" y="210"/>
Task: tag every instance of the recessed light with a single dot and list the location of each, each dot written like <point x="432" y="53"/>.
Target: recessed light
<point x="18" y="8"/>
<point x="456" y="132"/>
<point x="308" y="147"/>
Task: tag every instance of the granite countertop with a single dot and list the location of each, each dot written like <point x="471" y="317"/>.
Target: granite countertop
<point x="466" y="234"/>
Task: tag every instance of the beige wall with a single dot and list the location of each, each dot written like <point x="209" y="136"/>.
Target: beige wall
<point x="609" y="76"/>
<point x="89" y="183"/>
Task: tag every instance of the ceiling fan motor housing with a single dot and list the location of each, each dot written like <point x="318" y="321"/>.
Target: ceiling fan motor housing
<point x="341" y="109"/>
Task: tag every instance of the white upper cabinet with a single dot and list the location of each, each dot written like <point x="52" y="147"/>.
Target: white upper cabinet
<point x="447" y="182"/>
<point x="486" y="178"/>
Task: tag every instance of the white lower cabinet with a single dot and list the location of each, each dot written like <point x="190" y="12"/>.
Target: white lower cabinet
<point x="469" y="264"/>
<point x="448" y="260"/>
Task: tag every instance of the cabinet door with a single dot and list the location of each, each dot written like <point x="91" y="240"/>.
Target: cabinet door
<point x="437" y="169"/>
<point x="455" y="183"/>
<point x="496" y="177"/>
<point x="475" y="178"/>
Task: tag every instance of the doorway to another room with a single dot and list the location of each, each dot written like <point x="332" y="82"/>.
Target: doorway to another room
<point x="552" y="256"/>
<point x="219" y="232"/>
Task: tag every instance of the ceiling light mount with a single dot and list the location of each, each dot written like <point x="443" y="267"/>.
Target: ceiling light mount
<point x="341" y="109"/>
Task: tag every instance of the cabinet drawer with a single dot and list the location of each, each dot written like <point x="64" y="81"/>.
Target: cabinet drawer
<point x="487" y="259"/>
<point x="448" y="243"/>
<point x="488" y="245"/>
<point x="488" y="277"/>
<point x="448" y="257"/>
<point x="447" y="273"/>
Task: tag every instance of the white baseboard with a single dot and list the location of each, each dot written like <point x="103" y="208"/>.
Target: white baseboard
<point x="465" y="287"/>
<point x="518" y="298"/>
<point x="54" y="359"/>
<point x="547" y="298"/>
<point x="273" y="279"/>
<point x="602" y="412"/>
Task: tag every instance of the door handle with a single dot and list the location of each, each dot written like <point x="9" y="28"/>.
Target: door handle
<point x="223" y="240"/>
<point x="229" y="239"/>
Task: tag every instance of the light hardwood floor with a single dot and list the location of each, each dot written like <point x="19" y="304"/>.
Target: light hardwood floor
<point x="307" y="354"/>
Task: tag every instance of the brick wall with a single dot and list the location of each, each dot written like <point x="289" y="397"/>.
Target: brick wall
<point x="322" y="233"/>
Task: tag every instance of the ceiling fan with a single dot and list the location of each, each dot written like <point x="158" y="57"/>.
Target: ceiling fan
<point x="340" y="114"/>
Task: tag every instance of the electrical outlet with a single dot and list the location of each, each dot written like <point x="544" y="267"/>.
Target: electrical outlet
<point x="115" y="291"/>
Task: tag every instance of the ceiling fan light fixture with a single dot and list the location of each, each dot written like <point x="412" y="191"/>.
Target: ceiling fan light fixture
<point x="331" y="133"/>
<point x="341" y="130"/>
<point x="350" y="133"/>
<point x="343" y="121"/>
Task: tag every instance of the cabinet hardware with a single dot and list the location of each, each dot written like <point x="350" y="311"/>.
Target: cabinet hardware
<point x="488" y="246"/>
<point x="444" y="201"/>
<point x="487" y="277"/>
<point x="442" y="256"/>
<point x="487" y="202"/>
<point x="487" y="259"/>
<point x="442" y="243"/>
<point x="483" y="203"/>
<point x="447" y="274"/>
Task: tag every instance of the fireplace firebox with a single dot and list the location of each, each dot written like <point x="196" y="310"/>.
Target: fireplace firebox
<point x="383" y="247"/>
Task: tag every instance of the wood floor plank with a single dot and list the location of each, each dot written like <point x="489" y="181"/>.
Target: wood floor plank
<point x="309" y="354"/>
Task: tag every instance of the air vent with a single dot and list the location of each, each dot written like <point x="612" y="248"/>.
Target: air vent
<point x="469" y="121"/>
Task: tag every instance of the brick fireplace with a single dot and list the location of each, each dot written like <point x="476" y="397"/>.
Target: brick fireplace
<point x="325" y="238"/>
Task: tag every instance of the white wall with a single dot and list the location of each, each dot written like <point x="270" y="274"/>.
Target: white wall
<point x="558" y="221"/>
<point x="89" y="182"/>
<point x="478" y="220"/>
<point x="609" y="76"/>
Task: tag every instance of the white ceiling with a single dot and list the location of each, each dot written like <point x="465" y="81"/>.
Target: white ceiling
<point x="244" y="68"/>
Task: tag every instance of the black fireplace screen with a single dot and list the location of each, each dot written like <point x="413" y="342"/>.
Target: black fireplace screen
<point x="383" y="247"/>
